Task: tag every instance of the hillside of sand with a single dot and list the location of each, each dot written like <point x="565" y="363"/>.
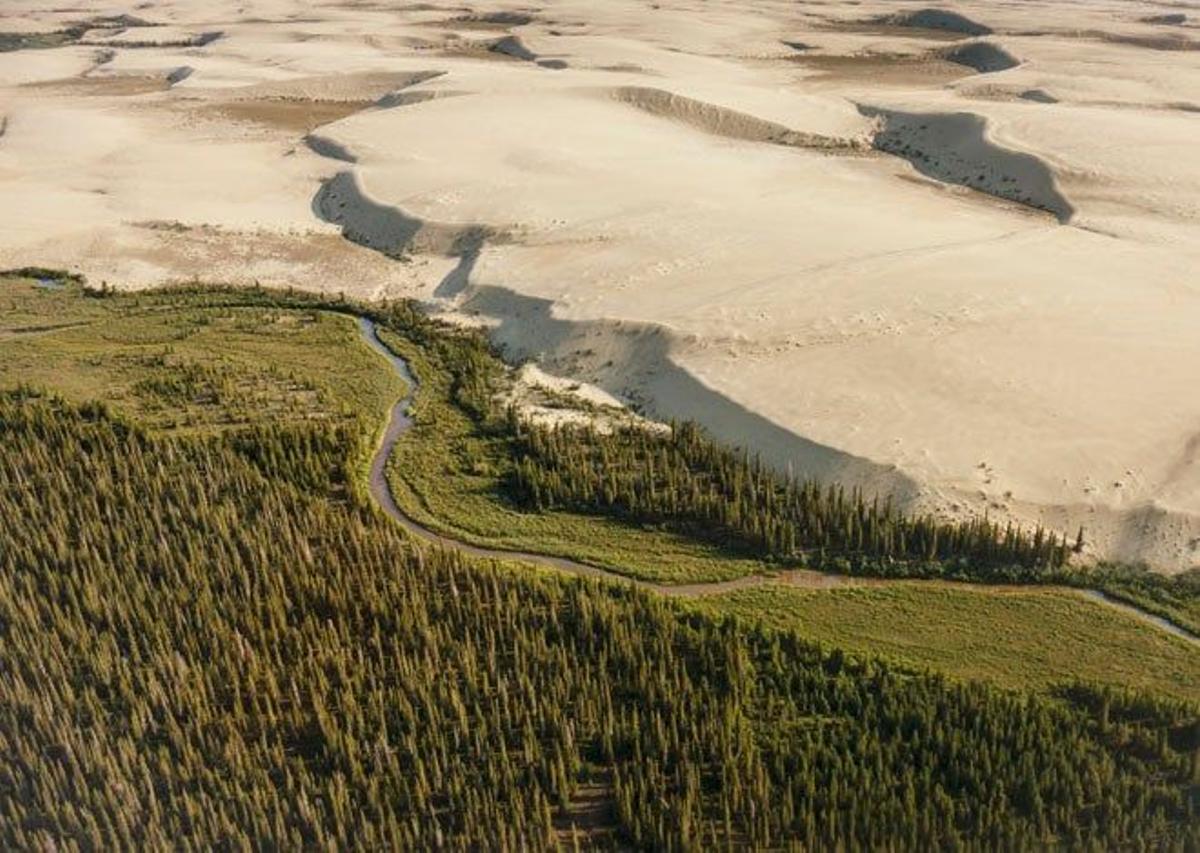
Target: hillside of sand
<point x="945" y="253"/>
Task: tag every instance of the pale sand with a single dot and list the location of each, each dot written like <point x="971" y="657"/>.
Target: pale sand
<point x="679" y="204"/>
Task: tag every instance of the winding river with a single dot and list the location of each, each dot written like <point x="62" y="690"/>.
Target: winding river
<point x="399" y="422"/>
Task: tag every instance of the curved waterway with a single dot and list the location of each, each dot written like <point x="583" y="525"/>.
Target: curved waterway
<point x="399" y="422"/>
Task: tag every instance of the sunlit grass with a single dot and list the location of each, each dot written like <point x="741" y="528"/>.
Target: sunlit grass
<point x="1018" y="638"/>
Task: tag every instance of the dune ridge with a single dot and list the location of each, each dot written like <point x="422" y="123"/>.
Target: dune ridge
<point x="725" y="122"/>
<point x="360" y="86"/>
<point x="1165" y="41"/>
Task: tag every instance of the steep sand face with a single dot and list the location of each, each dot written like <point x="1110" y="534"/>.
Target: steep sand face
<point x="946" y="253"/>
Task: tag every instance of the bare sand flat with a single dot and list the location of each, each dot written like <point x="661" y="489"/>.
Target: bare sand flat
<point x="950" y="253"/>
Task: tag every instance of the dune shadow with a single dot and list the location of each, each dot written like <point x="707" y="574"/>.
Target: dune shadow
<point x="936" y="19"/>
<point x="511" y="47"/>
<point x="466" y="248"/>
<point x="1038" y="96"/>
<point x="981" y="56"/>
<point x="323" y="146"/>
<point x="639" y="355"/>
<point x="1172" y="19"/>
<point x="387" y="229"/>
<point x="635" y="364"/>
<point x="954" y="148"/>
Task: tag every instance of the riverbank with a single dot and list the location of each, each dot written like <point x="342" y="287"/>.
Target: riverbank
<point x="400" y="423"/>
<point x="237" y="365"/>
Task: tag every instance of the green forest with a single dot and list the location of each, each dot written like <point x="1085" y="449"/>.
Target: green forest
<point x="201" y="649"/>
<point x="211" y="638"/>
<point x="683" y="478"/>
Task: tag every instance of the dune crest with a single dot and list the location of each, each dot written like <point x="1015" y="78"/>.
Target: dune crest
<point x="722" y="121"/>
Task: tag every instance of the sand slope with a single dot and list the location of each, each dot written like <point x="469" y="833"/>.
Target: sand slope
<point x="946" y="253"/>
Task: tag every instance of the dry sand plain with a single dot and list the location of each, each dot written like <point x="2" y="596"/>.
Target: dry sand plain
<point x="952" y="255"/>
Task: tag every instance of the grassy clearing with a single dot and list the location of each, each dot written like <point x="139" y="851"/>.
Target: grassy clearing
<point x="1019" y="639"/>
<point x="177" y="363"/>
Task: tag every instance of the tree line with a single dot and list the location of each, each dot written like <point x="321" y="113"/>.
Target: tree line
<point x="682" y="478"/>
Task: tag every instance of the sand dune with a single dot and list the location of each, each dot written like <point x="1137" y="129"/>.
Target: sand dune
<point x="929" y="68"/>
<point x="642" y="197"/>
<point x="883" y="70"/>
<point x="157" y="38"/>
